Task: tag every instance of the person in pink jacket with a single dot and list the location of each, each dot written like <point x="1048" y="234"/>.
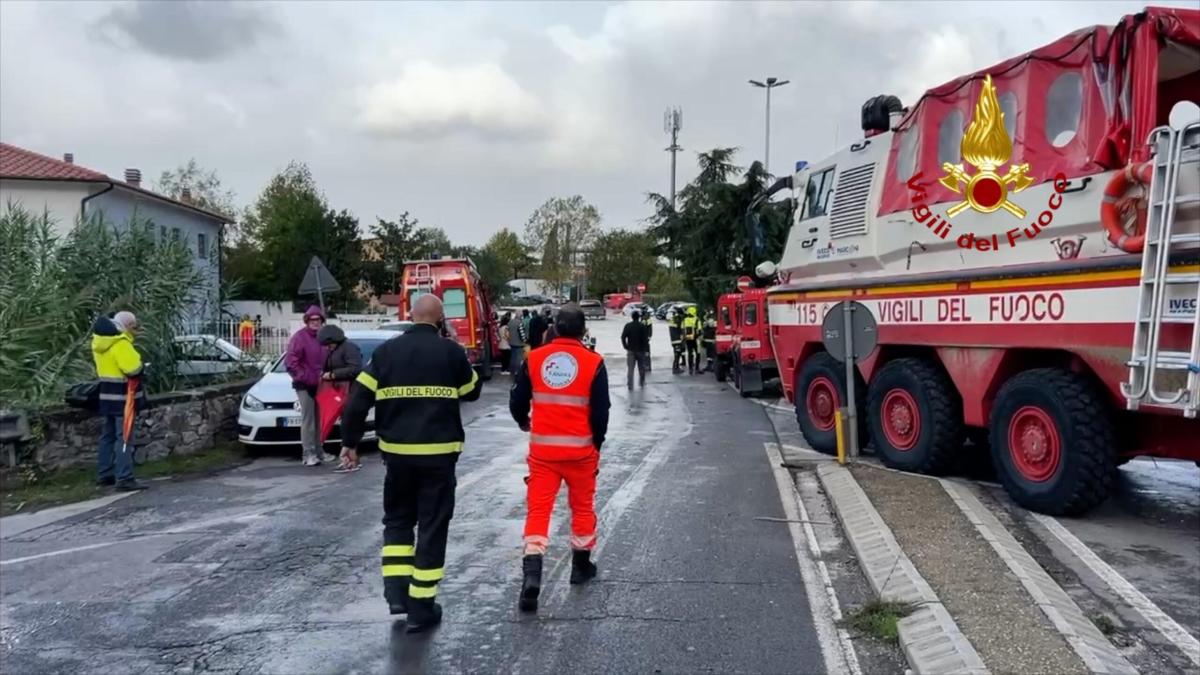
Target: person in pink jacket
<point x="305" y="362"/>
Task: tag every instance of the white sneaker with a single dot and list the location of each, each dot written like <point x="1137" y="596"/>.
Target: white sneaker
<point x="328" y="458"/>
<point x="312" y="461"/>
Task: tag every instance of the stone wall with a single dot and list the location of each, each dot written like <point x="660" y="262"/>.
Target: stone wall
<point x="176" y="423"/>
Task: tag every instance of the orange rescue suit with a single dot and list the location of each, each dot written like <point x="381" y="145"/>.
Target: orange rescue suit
<point x="566" y="385"/>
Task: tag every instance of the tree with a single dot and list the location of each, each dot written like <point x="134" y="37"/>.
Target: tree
<point x="432" y="241"/>
<point x="289" y="224"/>
<point x="621" y="259"/>
<point x="203" y="186"/>
<point x="393" y="242"/>
<point x="715" y="234"/>
<point x="560" y="229"/>
<point x="509" y="252"/>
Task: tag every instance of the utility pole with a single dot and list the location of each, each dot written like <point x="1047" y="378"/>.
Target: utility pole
<point x="673" y="124"/>
<point x="771" y="84"/>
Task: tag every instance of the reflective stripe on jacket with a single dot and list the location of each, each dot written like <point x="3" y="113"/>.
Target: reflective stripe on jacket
<point x="117" y="361"/>
<point x="561" y="375"/>
<point x="415" y="382"/>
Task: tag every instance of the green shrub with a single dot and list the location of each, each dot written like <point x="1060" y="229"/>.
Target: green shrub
<point x="52" y="290"/>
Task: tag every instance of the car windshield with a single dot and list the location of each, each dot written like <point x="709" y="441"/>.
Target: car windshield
<point x="367" y="346"/>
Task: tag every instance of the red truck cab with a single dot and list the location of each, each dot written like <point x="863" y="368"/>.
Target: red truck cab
<point x="743" y="339"/>
<point x="468" y="308"/>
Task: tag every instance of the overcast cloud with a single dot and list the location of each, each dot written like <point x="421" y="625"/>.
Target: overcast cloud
<point x="470" y="115"/>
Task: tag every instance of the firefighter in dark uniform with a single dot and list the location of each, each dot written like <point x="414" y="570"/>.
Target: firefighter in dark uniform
<point x="675" y="328"/>
<point x="708" y="336"/>
<point x="415" y="382"/>
<point x="648" y="321"/>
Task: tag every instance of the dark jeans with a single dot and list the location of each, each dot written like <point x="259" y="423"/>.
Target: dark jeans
<point x="113" y="451"/>
<point x="505" y="359"/>
<point x="639" y="359"/>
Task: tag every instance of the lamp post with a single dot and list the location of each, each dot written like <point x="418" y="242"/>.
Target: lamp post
<point x="772" y="82"/>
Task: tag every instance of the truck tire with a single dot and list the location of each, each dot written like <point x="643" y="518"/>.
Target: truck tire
<point x="915" y="416"/>
<point x="737" y="374"/>
<point x="820" y="390"/>
<point x="1053" y="442"/>
<point x="721" y="370"/>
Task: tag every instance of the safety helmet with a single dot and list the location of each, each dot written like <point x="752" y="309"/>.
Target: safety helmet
<point x="691" y="311"/>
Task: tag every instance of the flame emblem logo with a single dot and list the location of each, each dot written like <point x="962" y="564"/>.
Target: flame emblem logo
<point x="986" y="146"/>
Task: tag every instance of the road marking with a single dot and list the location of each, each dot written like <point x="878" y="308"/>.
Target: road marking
<point x="1157" y="618"/>
<point x="836" y="648"/>
<point x="1097" y="653"/>
<point x="139" y="537"/>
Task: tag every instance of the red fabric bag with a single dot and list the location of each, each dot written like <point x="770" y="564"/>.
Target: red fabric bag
<point x="331" y="399"/>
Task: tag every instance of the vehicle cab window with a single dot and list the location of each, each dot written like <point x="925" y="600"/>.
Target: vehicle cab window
<point x="725" y="320"/>
<point x="816" y="194"/>
<point x="749" y="314"/>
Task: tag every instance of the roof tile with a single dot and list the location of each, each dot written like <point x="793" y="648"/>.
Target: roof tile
<point x="21" y="163"/>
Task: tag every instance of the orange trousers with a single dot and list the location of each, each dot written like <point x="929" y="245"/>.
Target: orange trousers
<point x="545" y="477"/>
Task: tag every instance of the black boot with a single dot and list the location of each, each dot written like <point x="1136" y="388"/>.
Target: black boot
<point x="423" y="615"/>
<point x="531" y="586"/>
<point x="400" y="607"/>
<point x="582" y="567"/>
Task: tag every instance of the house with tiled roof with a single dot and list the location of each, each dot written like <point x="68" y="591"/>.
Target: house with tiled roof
<point x="69" y="192"/>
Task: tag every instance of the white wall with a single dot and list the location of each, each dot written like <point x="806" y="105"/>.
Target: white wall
<point x="61" y="199"/>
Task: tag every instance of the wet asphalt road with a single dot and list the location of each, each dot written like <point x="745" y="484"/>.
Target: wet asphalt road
<point x="273" y="568"/>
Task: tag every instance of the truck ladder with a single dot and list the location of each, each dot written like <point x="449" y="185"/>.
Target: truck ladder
<point x="1174" y="151"/>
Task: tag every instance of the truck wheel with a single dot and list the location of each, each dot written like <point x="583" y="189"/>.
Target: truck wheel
<point x="820" y="391"/>
<point x="722" y="370"/>
<point x="1053" y="442"/>
<point x="915" y="415"/>
<point x="485" y="363"/>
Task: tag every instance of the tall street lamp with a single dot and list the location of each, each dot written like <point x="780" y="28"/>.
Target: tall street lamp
<point x="772" y="82"/>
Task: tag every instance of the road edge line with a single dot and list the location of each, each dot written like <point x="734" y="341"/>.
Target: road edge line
<point x="929" y="637"/>
<point x="1096" y="651"/>
<point x="1158" y="619"/>
<point x="837" y="650"/>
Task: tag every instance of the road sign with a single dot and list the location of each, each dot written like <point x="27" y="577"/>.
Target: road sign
<point x="864" y="331"/>
<point x="641" y="288"/>
<point x="849" y="333"/>
<point x="318" y="279"/>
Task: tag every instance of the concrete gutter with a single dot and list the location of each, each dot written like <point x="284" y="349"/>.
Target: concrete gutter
<point x="17" y="524"/>
<point x="930" y="638"/>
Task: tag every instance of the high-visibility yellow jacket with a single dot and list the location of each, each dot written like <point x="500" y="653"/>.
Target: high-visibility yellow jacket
<point x="117" y="361"/>
<point x="690" y="328"/>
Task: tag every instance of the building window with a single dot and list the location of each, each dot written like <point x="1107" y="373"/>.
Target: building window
<point x="175" y="234"/>
<point x="202" y="245"/>
<point x="162" y="234"/>
<point x="1064" y="104"/>
<point x="950" y="135"/>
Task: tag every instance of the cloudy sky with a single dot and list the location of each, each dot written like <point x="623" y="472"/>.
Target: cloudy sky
<point x="470" y="115"/>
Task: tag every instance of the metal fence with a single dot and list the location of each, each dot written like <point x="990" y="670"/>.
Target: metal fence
<point x="268" y="340"/>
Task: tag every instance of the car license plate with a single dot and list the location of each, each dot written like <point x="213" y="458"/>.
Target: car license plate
<point x="289" y="421"/>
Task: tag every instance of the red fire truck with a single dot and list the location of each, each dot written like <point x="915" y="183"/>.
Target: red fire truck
<point x="468" y="307"/>
<point x="743" y="343"/>
<point x="1027" y="239"/>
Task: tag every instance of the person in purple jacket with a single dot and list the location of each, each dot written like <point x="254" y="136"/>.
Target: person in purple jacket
<point x="305" y="361"/>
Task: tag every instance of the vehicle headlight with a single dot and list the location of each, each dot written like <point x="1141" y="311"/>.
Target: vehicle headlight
<point x="253" y="404"/>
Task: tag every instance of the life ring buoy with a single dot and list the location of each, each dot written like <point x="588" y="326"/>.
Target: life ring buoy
<point x="1118" y="205"/>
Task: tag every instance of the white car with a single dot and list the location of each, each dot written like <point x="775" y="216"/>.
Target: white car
<point x="270" y="412"/>
<point x="397" y="326"/>
<point x="208" y="355"/>
<point x="632" y="307"/>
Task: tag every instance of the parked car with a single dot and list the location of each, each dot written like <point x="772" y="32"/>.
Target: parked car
<point x="592" y="309"/>
<point x="270" y="412"/>
<point x="670" y="307"/>
<point x="663" y="309"/>
<point x="397" y="326"/>
<point x="206" y="356"/>
<point x="632" y="307"/>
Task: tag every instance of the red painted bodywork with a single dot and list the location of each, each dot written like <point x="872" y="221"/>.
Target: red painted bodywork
<point x="477" y="331"/>
<point x="980" y="358"/>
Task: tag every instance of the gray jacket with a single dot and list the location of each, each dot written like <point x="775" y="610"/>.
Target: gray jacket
<point x="345" y="361"/>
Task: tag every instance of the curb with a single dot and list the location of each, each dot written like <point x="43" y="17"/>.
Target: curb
<point x="930" y="638"/>
<point x="1098" y="654"/>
